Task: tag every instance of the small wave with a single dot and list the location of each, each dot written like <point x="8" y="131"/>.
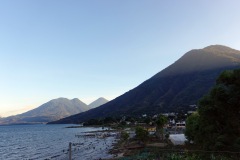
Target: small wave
<point x="36" y="154"/>
<point x="21" y="147"/>
<point x="56" y="156"/>
<point x="43" y="148"/>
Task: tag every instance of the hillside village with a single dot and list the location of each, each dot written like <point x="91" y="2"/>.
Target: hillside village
<point x="173" y="128"/>
<point x="175" y="119"/>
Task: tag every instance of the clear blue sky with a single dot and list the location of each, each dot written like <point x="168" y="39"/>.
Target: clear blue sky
<point x="92" y="48"/>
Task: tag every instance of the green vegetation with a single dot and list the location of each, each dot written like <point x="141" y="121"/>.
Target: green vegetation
<point x="141" y="133"/>
<point x="218" y="125"/>
<point x="171" y="155"/>
<point x="193" y="156"/>
<point x="192" y="126"/>
<point x="124" y="135"/>
<point x="101" y="121"/>
<point x="161" y="121"/>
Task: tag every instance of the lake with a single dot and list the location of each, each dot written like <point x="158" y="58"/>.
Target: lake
<point x="47" y="142"/>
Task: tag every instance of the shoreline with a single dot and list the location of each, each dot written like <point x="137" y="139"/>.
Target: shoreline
<point x="103" y="140"/>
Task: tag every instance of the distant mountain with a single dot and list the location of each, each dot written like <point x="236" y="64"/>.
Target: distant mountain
<point x="100" y="101"/>
<point x="50" y="111"/>
<point x="181" y="84"/>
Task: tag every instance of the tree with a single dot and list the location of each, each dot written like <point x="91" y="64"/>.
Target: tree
<point x="161" y="121"/>
<point x="92" y="122"/>
<point x="123" y="123"/>
<point x="192" y="126"/>
<point x="141" y="133"/>
<point x="147" y="120"/>
<point x="124" y="135"/>
<point x="109" y="120"/>
<point x="219" y="115"/>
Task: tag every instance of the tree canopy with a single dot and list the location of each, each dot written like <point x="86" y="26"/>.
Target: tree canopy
<point x="141" y="133"/>
<point x="218" y="125"/>
<point x="192" y="126"/>
<point x="161" y="121"/>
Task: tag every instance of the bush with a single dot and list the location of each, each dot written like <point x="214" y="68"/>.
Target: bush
<point x="192" y="126"/>
<point x="124" y="135"/>
<point x="141" y="133"/>
<point x="167" y="135"/>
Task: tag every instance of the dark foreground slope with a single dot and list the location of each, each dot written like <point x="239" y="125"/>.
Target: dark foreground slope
<point x="181" y="84"/>
<point x="50" y="111"/>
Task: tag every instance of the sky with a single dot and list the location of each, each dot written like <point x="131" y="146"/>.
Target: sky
<point x="100" y="48"/>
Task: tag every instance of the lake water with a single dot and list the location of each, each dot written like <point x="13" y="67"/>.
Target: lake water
<point x="30" y="142"/>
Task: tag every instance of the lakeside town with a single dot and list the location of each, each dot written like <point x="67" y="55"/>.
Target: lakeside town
<point x="161" y="136"/>
<point x="119" y="80"/>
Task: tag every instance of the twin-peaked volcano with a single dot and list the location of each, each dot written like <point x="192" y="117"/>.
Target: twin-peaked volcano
<point x="50" y="111"/>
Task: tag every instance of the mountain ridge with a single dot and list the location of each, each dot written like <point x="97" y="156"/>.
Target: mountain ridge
<point x="52" y="110"/>
<point x="180" y="84"/>
<point x="211" y="57"/>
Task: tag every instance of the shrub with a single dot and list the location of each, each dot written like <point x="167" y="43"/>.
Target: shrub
<point x="124" y="135"/>
<point x="141" y="133"/>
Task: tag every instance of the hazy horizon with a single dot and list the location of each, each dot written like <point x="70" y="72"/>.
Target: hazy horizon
<point x="28" y="108"/>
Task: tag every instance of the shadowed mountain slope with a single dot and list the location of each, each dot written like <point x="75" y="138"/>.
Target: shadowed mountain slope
<point x="50" y="111"/>
<point x="181" y="84"/>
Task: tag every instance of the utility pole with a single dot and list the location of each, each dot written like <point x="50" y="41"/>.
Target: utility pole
<point x="70" y="151"/>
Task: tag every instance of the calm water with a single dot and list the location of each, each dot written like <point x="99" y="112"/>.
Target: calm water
<point x="50" y="142"/>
